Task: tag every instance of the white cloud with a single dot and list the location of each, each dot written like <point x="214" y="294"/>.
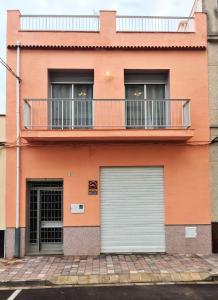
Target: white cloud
<point x="123" y="7"/>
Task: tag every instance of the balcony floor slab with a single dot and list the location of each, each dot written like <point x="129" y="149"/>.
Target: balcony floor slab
<point x="109" y="135"/>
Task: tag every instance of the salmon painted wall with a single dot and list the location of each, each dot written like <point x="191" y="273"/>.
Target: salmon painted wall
<point x="187" y="198"/>
<point x="185" y="179"/>
<point x="185" y="167"/>
<point x="187" y="75"/>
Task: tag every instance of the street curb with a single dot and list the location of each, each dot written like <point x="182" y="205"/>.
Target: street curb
<point x="21" y="283"/>
<point x="123" y="278"/>
<point x="140" y="277"/>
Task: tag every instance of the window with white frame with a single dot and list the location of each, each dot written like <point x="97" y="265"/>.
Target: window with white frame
<point x="71" y="96"/>
<point x="146" y="99"/>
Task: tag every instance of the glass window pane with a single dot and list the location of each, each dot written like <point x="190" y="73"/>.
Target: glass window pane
<point x="135" y="106"/>
<point x="156" y="113"/>
<point x="59" y="119"/>
<point x="83" y="94"/>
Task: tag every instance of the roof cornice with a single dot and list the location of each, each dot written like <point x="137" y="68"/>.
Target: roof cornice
<point x="112" y="47"/>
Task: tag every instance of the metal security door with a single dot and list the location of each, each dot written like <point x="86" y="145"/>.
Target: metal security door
<point x="45" y="220"/>
<point x="50" y="221"/>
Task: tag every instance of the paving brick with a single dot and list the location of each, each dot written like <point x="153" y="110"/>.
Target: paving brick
<point x="111" y="268"/>
<point x="83" y="279"/>
<point x="114" y="278"/>
<point x="186" y="277"/>
<point x="124" y="278"/>
<point x="94" y="279"/>
<point x="135" y="277"/>
<point x="72" y="280"/>
<point x="104" y="279"/>
<point x="175" y="277"/>
<point x="145" y="277"/>
<point x="165" y="277"/>
<point x="196" y="276"/>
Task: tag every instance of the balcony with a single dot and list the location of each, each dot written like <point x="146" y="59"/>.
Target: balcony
<point x="104" y="119"/>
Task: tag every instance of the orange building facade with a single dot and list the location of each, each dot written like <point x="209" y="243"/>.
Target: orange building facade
<point x="113" y="135"/>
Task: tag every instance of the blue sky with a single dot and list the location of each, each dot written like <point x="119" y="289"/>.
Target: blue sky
<point x="123" y="7"/>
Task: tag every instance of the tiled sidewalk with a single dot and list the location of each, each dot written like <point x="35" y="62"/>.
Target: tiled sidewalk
<point x="109" y="269"/>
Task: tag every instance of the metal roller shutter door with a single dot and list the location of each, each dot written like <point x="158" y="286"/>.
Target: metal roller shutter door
<point x="132" y="209"/>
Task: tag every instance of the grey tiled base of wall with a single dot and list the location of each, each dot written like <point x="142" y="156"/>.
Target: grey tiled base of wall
<point x="176" y="242"/>
<point x="9" y="242"/>
<point x="81" y="240"/>
<point x="77" y="241"/>
<point x="86" y="240"/>
<point x="22" y="241"/>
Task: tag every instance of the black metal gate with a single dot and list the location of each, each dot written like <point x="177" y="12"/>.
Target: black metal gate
<point x="45" y="217"/>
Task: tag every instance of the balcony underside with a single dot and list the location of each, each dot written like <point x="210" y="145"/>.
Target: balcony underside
<point x="109" y="135"/>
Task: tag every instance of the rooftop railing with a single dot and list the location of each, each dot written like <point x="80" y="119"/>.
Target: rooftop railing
<point x="71" y="114"/>
<point x="154" y="24"/>
<point x="92" y="23"/>
<point x="59" y="23"/>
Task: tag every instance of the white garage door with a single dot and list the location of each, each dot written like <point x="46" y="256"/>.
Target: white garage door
<point x="132" y="210"/>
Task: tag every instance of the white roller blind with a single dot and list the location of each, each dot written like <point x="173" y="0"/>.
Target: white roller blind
<point x="132" y="209"/>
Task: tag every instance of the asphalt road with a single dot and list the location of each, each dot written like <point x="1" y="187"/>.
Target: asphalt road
<point x="136" y="292"/>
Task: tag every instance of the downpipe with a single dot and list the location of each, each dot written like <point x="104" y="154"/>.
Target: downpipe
<point x="17" y="226"/>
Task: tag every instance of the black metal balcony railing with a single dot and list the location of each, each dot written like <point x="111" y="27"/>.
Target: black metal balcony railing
<point x="72" y="114"/>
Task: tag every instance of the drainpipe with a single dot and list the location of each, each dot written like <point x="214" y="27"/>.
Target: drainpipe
<point x="17" y="228"/>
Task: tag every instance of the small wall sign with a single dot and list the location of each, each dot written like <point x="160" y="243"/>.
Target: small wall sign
<point x="93" y="187"/>
<point x="190" y="232"/>
<point x="77" y="208"/>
